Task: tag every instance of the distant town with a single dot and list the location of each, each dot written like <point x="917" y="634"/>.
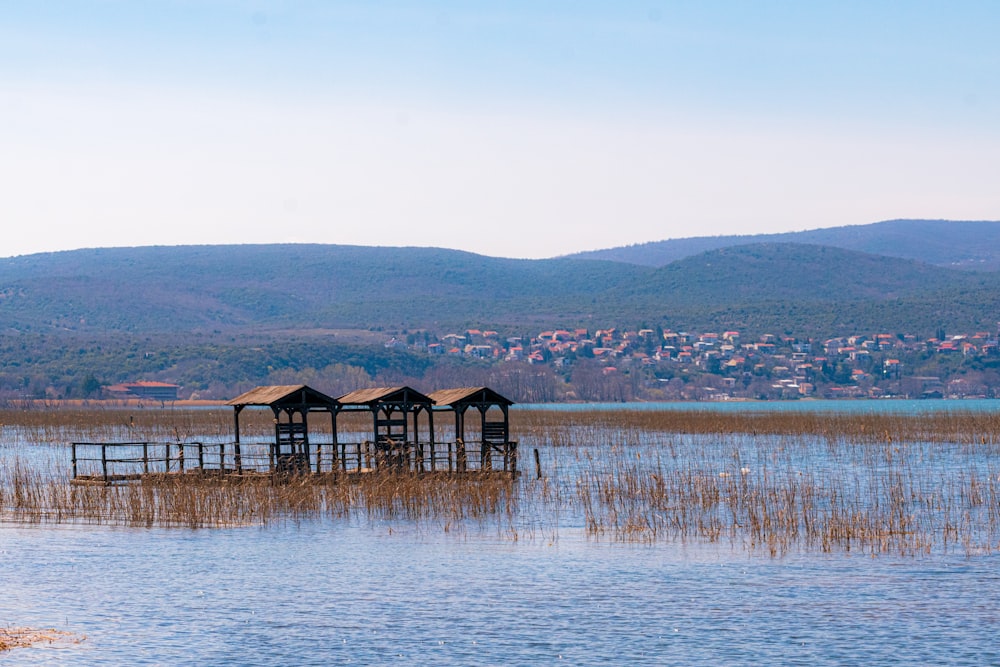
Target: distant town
<point x="656" y="363"/>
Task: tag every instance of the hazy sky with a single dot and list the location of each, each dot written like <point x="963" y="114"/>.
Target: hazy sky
<point x="508" y="128"/>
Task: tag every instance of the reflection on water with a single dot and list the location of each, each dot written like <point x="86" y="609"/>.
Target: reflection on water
<point x="361" y="590"/>
<point x="320" y="592"/>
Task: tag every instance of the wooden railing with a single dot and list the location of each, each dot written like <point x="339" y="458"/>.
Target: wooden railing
<point x="111" y="462"/>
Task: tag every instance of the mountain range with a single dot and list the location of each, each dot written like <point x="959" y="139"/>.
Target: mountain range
<point x="750" y="283"/>
<point x="973" y="245"/>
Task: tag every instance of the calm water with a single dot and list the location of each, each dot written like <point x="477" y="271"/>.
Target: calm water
<point x="319" y="593"/>
<point x="324" y="591"/>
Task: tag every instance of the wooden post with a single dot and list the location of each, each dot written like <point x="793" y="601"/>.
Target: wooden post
<point x="414" y="440"/>
<point x="145" y="458"/>
<point x="201" y="456"/>
<point x="538" y="465"/>
<point x="166" y="457"/>
<point x="275" y="448"/>
<point x="485" y="456"/>
<point x="73" y="460"/>
<point x="334" y="464"/>
<point x="430" y="432"/>
<point x="237" y="456"/>
<point x="222" y="456"/>
<point x="104" y="461"/>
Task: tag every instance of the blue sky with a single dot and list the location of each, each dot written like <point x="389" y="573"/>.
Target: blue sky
<point x="520" y="129"/>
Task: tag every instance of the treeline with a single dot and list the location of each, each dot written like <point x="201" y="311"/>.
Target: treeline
<point x="213" y="368"/>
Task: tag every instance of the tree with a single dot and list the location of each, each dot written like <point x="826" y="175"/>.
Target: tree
<point x="90" y="386"/>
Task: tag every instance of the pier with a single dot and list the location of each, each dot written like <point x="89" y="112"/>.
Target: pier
<point x="403" y="439"/>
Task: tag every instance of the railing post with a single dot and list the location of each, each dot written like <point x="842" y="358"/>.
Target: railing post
<point x="201" y="456"/>
<point x="145" y="458"/>
<point x="166" y="456"/>
<point x="104" y="461"/>
<point x="485" y="456"/>
<point x="74" y="460"/>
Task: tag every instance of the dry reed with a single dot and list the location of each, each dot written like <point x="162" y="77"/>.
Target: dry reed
<point x="783" y="481"/>
<point x="11" y="638"/>
<point x="763" y="481"/>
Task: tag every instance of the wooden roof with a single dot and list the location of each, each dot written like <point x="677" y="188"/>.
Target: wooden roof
<point x="469" y="396"/>
<point x="377" y="395"/>
<point x="284" y="395"/>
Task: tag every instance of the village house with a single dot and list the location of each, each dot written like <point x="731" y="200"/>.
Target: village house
<point x="153" y="391"/>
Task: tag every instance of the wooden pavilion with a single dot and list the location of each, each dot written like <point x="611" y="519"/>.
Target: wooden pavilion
<point x="291" y="405"/>
<point x="494" y="433"/>
<point x="395" y="422"/>
<point x="398" y="442"/>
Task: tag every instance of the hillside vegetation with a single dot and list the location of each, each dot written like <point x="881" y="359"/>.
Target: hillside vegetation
<point x="227" y="288"/>
<point x="233" y="316"/>
<point x="813" y="290"/>
<point x="958" y="244"/>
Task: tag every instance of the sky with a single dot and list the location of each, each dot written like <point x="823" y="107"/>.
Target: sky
<point x="513" y="128"/>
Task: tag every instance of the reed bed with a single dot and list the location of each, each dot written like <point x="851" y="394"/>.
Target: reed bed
<point x="65" y="424"/>
<point x="952" y="426"/>
<point x="781" y="482"/>
<point x="207" y="500"/>
<point x="11" y="638"/>
<point x="761" y="481"/>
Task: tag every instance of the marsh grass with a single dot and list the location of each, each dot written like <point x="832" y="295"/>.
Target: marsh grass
<point x="765" y="482"/>
<point x="781" y="482"/>
<point x="11" y="638"/>
<point x="204" y="501"/>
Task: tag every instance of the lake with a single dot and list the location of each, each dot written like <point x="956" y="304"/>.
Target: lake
<point x="317" y="593"/>
<point x="363" y="590"/>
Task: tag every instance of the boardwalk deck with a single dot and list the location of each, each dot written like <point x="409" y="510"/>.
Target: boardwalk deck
<point x="398" y="443"/>
<point x="107" y="463"/>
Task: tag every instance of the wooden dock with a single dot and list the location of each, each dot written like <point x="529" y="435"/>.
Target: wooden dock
<point x="399" y="443"/>
<point x="107" y="463"/>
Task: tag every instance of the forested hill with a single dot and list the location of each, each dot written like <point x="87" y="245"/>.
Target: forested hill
<point x="958" y="244"/>
<point x="808" y="289"/>
<point x="234" y="287"/>
<point x="793" y="288"/>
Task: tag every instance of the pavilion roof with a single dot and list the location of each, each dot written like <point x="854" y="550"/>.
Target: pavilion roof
<point x="469" y="396"/>
<point x="376" y="395"/>
<point x="284" y="395"/>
